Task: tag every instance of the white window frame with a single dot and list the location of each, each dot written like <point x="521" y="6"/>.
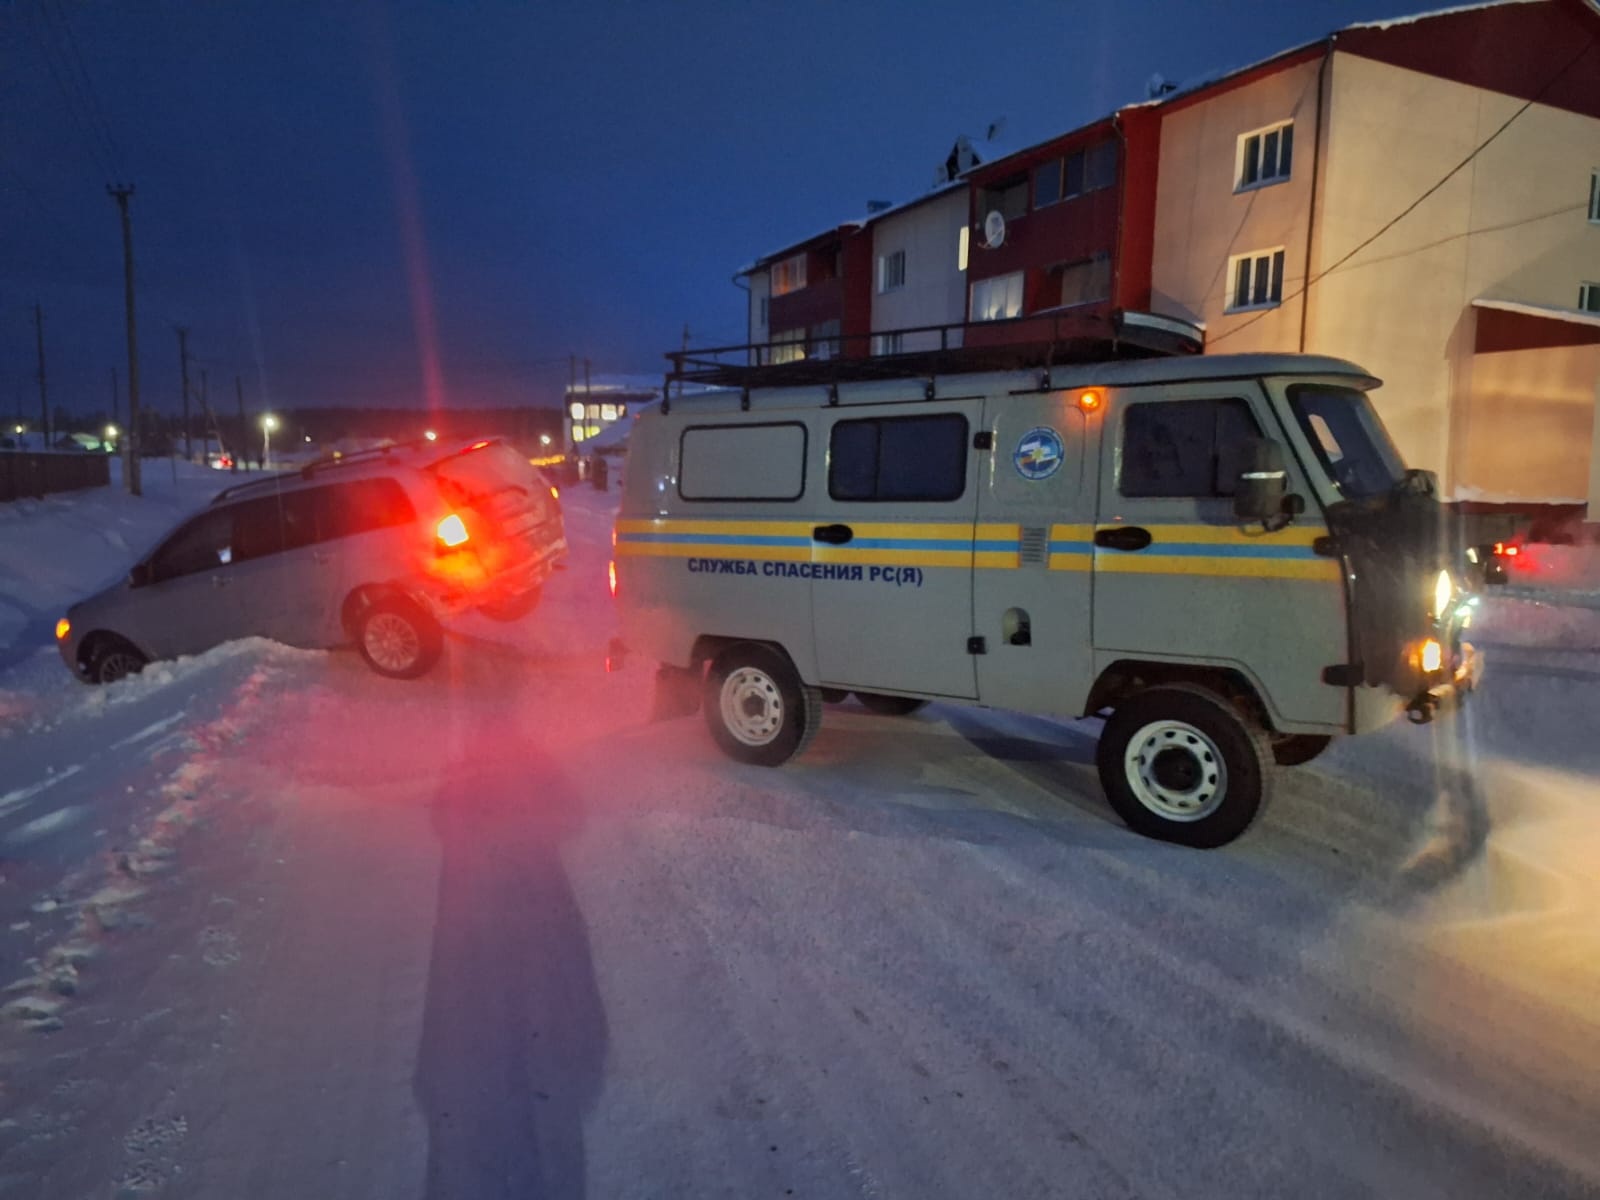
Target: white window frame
<point x="788" y="275"/>
<point x="889" y="343"/>
<point x="1010" y="301"/>
<point x="891" y="271"/>
<point x="1589" y="297"/>
<point x="1254" y="257"/>
<point x="1242" y="152"/>
<point x="1594" y="197"/>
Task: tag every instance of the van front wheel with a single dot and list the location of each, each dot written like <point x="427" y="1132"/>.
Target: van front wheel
<point x="757" y="708"/>
<point x="1179" y="763"/>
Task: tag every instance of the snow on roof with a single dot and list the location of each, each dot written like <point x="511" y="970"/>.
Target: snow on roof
<point x="1394" y="22"/>
<point x="1549" y="312"/>
<point x="611" y="384"/>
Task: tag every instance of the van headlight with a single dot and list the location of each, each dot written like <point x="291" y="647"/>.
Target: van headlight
<point x="1443" y="589"/>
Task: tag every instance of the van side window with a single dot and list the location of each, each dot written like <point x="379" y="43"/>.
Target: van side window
<point x="743" y="462"/>
<point x="1184" y="448"/>
<point x="360" y="506"/>
<point x="204" y="544"/>
<point x="898" y="458"/>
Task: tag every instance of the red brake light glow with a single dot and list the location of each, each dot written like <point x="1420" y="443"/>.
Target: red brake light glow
<point x="555" y="492"/>
<point x="612" y="572"/>
<point x="1512" y="551"/>
<point x="452" y="530"/>
<point x="477" y="445"/>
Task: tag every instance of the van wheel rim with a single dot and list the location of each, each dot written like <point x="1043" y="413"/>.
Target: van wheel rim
<point x="119" y="664"/>
<point x="391" y="642"/>
<point x="1176" y="771"/>
<point x="752" y="706"/>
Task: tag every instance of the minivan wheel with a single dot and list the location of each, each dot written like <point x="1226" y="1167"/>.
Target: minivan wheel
<point x="114" y="659"/>
<point x="1180" y="764"/>
<point x="398" y="639"/>
<point x="757" y="708"/>
<point x="889" y="706"/>
<point x="1295" y="749"/>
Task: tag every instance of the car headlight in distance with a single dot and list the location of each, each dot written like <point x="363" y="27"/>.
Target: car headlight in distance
<point x="1432" y="656"/>
<point x="1443" y="588"/>
<point x="63" y="627"/>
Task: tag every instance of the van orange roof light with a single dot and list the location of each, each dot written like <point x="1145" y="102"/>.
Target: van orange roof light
<point x="1090" y="401"/>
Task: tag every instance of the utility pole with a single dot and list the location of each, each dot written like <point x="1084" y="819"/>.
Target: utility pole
<point x="131" y="473"/>
<point x="116" y="411"/>
<point x="183" y="365"/>
<point x="44" y="395"/>
<point x="238" y="390"/>
<point x="205" y="417"/>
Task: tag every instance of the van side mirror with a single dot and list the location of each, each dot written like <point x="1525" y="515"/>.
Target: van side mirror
<point x="1259" y="492"/>
<point x="140" y="575"/>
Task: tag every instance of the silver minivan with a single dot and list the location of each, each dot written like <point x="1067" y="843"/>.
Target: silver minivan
<point x="375" y="549"/>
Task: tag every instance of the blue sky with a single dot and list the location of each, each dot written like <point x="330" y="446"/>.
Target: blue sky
<point x="324" y="190"/>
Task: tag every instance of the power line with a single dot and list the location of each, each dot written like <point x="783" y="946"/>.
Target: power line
<point x="74" y="101"/>
<point x="97" y="111"/>
<point x="1415" y="204"/>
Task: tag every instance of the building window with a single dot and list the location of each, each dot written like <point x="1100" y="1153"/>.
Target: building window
<point x="899" y="458"/>
<point x="789" y="275"/>
<point x="824" y="340"/>
<point x="891" y="271"/>
<point x="1594" y="197"/>
<point x="1589" y="297"/>
<point x="788" y="346"/>
<point x="889" y="343"/>
<point x="997" y="299"/>
<point x="1255" y="280"/>
<point x="1047" y="184"/>
<point x="608" y="412"/>
<point x="1264" y="156"/>
<point x="1189" y="448"/>
<point x="1009" y="199"/>
<point x="963" y="247"/>
<point x="1086" y="282"/>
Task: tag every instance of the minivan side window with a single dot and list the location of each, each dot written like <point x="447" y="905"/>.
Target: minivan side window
<point x="743" y="462"/>
<point x="360" y="506"/>
<point x="204" y="544"/>
<point x="898" y="458"/>
<point x="272" y="524"/>
<point x="1184" y="448"/>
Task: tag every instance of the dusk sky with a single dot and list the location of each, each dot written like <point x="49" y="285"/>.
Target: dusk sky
<point x="327" y="191"/>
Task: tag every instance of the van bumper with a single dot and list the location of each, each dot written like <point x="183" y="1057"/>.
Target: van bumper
<point x="1447" y="696"/>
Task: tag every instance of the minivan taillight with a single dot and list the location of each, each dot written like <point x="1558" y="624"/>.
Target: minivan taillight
<point x="613" y="574"/>
<point x="452" y="531"/>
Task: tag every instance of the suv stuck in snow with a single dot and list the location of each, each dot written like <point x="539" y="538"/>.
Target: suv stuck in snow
<point x="375" y="548"/>
<point x="1225" y="554"/>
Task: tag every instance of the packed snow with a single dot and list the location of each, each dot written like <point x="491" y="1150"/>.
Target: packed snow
<point x="273" y="926"/>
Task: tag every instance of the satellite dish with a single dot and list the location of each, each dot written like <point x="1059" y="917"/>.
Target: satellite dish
<point x="994" y="230"/>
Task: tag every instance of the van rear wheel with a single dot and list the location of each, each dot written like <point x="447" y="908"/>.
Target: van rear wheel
<point x="1181" y="764"/>
<point x="757" y="708"/>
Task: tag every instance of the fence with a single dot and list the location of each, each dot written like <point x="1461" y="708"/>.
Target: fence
<point x="28" y="473"/>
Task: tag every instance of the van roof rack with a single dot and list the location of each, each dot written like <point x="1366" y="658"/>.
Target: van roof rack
<point x="1042" y="339"/>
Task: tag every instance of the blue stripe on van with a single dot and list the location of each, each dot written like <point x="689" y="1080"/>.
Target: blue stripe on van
<point x="1226" y="550"/>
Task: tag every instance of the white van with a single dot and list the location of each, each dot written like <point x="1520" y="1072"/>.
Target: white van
<point x="1224" y="554"/>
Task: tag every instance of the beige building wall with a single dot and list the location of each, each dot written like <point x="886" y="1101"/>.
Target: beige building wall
<point x="935" y="289"/>
<point x="1512" y="225"/>
<point x="1201" y="220"/>
<point x="1526" y="428"/>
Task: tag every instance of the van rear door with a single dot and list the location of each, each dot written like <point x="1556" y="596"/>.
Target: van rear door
<point x="892" y="547"/>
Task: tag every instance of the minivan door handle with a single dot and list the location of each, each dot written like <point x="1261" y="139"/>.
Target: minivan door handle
<point x="1123" y="537"/>
<point x="834" y="535"/>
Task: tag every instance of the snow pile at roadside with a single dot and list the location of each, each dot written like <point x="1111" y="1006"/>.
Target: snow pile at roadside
<point x="57" y="550"/>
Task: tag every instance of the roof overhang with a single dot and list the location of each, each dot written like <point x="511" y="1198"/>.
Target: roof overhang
<point x="1512" y="325"/>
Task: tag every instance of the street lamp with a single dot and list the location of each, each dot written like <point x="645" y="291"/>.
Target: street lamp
<point x="268" y="424"/>
<point x="544" y="439"/>
<point x="111" y="433"/>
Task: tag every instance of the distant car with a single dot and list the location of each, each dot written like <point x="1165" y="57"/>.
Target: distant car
<point x="375" y="549"/>
<point x="219" y="460"/>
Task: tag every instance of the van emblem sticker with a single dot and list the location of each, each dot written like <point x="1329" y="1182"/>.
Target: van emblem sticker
<point x="1039" y="453"/>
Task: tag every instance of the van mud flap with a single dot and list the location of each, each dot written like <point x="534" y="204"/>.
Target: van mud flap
<point x="677" y="693"/>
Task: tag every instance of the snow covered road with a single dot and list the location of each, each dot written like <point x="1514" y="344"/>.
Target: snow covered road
<point x="496" y="933"/>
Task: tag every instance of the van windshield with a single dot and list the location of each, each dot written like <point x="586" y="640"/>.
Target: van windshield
<point x="1349" y="439"/>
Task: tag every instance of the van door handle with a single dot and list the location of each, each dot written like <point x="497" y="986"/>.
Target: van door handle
<point x="1123" y="537"/>
<point x="834" y="535"/>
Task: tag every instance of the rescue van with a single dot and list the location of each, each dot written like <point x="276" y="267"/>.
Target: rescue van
<point x="1224" y="556"/>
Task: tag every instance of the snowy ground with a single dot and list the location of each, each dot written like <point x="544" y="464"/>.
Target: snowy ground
<point x="274" y="927"/>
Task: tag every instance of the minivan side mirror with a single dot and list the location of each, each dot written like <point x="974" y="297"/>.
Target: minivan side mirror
<point x="1259" y="492"/>
<point x="140" y="575"/>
